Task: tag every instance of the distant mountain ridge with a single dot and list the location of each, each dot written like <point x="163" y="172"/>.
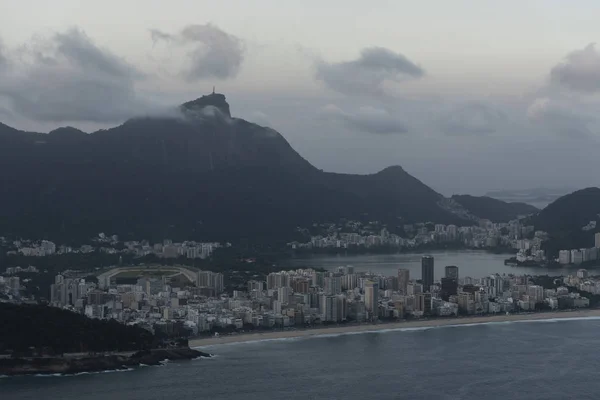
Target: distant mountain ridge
<point x="493" y="209"/>
<point x="199" y="174"/>
<point x="538" y="197"/>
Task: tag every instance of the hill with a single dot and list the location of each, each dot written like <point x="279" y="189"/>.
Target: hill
<point x="495" y="210"/>
<point x="567" y="219"/>
<point x="59" y="331"/>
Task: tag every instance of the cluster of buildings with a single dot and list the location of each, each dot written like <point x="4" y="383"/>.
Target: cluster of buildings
<point x="11" y="284"/>
<point x="583" y="281"/>
<point x="484" y="235"/>
<point x="148" y="300"/>
<point x="16" y="270"/>
<point x="168" y="249"/>
<point x="10" y="287"/>
<point x="41" y="249"/>
<point x="305" y="297"/>
<point x="111" y="245"/>
<point x="580" y="256"/>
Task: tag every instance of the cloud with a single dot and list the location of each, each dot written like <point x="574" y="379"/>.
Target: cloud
<point x="213" y="52"/>
<point x="68" y="78"/>
<point x="158" y="36"/>
<point x="368" y="73"/>
<point x="473" y="118"/>
<point x="260" y="118"/>
<point x="5" y="114"/>
<point x="366" y="119"/>
<point x="3" y="58"/>
<point x="580" y="72"/>
<point x="560" y="117"/>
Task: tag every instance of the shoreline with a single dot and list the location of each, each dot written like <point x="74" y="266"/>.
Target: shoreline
<point x="367" y="328"/>
<point x="72" y="366"/>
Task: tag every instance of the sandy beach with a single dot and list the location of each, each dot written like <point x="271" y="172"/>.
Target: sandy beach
<point x="432" y="323"/>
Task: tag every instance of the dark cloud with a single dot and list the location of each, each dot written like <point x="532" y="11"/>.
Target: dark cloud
<point x="560" y="117"/>
<point x="366" y="119"/>
<point x="368" y="73"/>
<point x="158" y="36"/>
<point x="580" y="71"/>
<point x="5" y="114"/>
<point x="214" y="53"/>
<point x="68" y="78"/>
<point x="472" y="119"/>
<point x="3" y="58"/>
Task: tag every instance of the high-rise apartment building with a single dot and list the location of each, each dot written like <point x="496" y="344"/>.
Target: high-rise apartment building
<point x="427" y="272"/>
<point x="333" y="285"/>
<point x="423" y="303"/>
<point x="403" y="278"/>
<point x="372" y="298"/>
<point x="451" y="271"/>
<point x="449" y="287"/>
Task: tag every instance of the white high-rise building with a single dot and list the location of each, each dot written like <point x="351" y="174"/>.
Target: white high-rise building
<point x="536" y="293"/>
<point x="333" y="285"/>
<point x="576" y="256"/>
<point x="283" y="294"/>
<point x="329" y="308"/>
<point x="403" y="278"/>
<point x="372" y="298"/>
<point x="582" y="273"/>
<point x="597" y="240"/>
<point x="349" y="282"/>
<point x="564" y="257"/>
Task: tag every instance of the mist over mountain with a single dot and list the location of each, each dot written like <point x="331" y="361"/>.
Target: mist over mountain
<point x="493" y="209"/>
<point x="196" y="174"/>
<point x="537" y="197"/>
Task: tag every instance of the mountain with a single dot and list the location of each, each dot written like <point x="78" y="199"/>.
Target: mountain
<point x="570" y="212"/>
<point x="568" y="220"/>
<point x="538" y="197"/>
<point x="197" y="174"/>
<point x="495" y="210"/>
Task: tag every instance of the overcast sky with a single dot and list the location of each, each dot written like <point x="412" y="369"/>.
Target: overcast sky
<point x="468" y="96"/>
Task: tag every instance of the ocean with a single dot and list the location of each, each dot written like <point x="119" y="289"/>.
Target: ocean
<point x="553" y="359"/>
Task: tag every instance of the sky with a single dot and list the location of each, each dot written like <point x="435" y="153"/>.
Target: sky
<point x="469" y="96"/>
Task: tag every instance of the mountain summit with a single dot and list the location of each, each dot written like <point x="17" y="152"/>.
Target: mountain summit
<point x="203" y="175"/>
<point x="213" y="100"/>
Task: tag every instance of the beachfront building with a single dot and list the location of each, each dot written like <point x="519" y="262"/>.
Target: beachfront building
<point x="403" y="279"/>
<point x="372" y="298"/>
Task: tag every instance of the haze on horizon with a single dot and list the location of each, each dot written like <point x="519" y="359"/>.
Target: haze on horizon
<point x="468" y="96"/>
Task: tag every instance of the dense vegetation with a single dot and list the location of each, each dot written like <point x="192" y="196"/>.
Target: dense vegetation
<point x="565" y="218"/>
<point x="54" y="331"/>
<point x="493" y="209"/>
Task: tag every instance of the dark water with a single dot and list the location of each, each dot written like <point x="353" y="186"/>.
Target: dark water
<point x="473" y="263"/>
<point x="525" y="360"/>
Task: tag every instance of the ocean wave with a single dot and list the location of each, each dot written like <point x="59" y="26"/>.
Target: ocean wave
<point x="108" y="371"/>
<point x="204" y="358"/>
<point x="318" y="335"/>
<point x="254" y="341"/>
